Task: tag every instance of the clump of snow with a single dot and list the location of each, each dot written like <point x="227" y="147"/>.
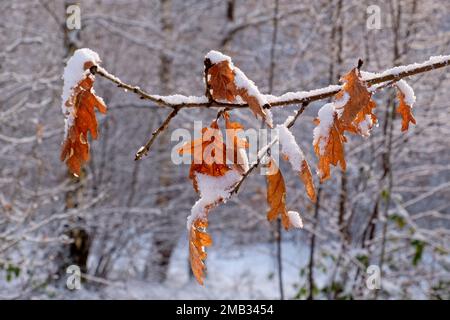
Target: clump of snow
<point x="339" y="104"/>
<point x="216" y="57"/>
<point x="295" y="219"/>
<point x="74" y="72"/>
<point x="326" y="118"/>
<point x="365" y="126"/>
<point x="212" y="190"/>
<point x="178" y="99"/>
<point x="290" y="148"/>
<point x="408" y="92"/>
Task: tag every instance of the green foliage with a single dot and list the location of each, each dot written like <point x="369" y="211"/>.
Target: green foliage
<point x="399" y="220"/>
<point x="363" y="259"/>
<point x="11" y="270"/>
<point x="418" y="247"/>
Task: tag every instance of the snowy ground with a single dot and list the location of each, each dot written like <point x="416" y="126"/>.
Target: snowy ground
<point x="241" y="272"/>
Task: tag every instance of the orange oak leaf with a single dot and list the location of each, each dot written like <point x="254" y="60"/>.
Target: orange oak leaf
<point x="353" y="112"/>
<point x="405" y="111"/>
<point x="222" y="82"/>
<point x="357" y="97"/>
<point x="81" y="103"/>
<point x="332" y="151"/>
<point x="306" y="177"/>
<point x="364" y="121"/>
<point x="213" y="190"/>
<point x="208" y="152"/>
<point x="198" y="240"/>
<point x="276" y="195"/>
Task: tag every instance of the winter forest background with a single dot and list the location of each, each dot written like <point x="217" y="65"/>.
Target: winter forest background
<point x="124" y="223"/>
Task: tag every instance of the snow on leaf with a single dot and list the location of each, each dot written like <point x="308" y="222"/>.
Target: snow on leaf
<point x="227" y="82"/>
<point x="208" y="152"/>
<point x="79" y="102"/>
<point x="406" y="98"/>
<point x="329" y="145"/>
<point x="213" y="191"/>
<point x="352" y="111"/>
<point x="213" y="179"/>
<point x="356" y="114"/>
<point x="364" y="120"/>
<point x="292" y="152"/>
<point x="359" y="97"/>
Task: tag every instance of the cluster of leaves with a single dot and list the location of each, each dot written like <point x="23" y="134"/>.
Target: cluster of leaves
<point x="208" y="153"/>
<point x="224" y="165"/>
<point x="355" y="116"/>
<point x="212" y="157"/>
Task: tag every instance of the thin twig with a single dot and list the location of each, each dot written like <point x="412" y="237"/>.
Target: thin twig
<point x="143" y="151"/>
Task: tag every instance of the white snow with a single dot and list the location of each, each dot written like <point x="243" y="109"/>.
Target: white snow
<point x="269" y="117"/>
<point x="295" y="219"/>
<point x="400" y="69"/>
<point x="408" y="92"/>
<point x="178" y="99"/>
<point x="290" y="148"/>
<point x="365" y="126"/>
<point x="339" y="104"/>
<point x="300" y="95"/>
<point x="216" y="57"/>
<point x="73" y="73"/>
<point x="212" y="190"/>
<point x="326" y="118"/>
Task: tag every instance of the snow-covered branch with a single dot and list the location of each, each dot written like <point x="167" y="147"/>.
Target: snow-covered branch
<point x="289" y="98"/>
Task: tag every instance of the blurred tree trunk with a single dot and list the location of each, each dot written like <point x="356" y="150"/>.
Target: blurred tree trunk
<point x="230" y="10"/>
<point x="163" y="241"/>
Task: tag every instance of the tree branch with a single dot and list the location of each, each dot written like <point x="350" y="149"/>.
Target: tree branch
<point x="290" y="98"/>
<point x="143" y="151"/>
